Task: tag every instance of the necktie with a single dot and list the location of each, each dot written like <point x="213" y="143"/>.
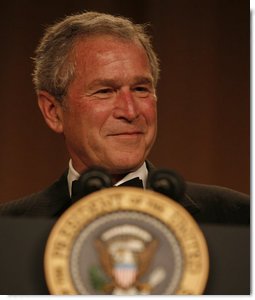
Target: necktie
<point x="136" y="182"/>
<point x="77" y="193"/>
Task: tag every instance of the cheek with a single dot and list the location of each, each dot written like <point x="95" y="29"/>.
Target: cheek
<point x="151" y="120"/>
<point x="75" y="120"/>
<point x="92" y="117"/>
<point x="150" y="113"/>
<point x="86" y="111"/>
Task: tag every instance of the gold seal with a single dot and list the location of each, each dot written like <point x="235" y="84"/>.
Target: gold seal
<point x="126" y="241"/>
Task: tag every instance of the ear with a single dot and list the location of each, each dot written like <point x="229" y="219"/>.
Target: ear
<point x="52" y="111"/>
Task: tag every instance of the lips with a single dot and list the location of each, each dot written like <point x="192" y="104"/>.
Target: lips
<point x="126" y="133"/>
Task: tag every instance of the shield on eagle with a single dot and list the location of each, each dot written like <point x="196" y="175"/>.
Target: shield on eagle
<point x="125" y="254"/>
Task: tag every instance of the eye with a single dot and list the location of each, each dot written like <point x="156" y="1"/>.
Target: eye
<point x="142" y="91"/>
<point x="104" y="93"/>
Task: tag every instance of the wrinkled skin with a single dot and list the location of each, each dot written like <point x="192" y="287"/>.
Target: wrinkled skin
<point x="109" y="115"/>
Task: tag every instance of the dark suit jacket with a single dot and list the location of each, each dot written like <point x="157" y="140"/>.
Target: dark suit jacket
<point x="207" y="204"/>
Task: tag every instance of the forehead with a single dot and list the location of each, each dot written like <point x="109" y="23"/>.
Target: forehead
<point x="110" y="58"/>
<point x="105" y="49"/>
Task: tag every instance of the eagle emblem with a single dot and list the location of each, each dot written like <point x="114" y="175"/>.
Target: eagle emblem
<point x="125" y="254"/>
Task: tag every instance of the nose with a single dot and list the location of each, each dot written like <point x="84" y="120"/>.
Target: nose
<point x="126" y="107"/>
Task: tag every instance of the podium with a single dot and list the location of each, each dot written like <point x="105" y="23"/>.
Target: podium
<point x="23" y="240"/>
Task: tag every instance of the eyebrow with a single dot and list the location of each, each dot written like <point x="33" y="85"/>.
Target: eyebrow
<point x="102" y="82"/>
<point x="143" y="80"/>
<point x="116" y="82"/>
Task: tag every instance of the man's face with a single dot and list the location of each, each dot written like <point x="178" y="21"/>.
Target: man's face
<point x="109" y="115"/>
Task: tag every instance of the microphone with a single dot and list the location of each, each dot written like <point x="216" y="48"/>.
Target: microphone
<point x="167" y="182"/>
<point x="94" y="179"/>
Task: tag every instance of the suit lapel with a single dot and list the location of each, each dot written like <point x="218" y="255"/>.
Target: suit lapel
<point x="50" y="202"/>
<point x="55" y="200"/>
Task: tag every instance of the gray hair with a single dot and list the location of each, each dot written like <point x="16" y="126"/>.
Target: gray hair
<point x="54" y="70"/>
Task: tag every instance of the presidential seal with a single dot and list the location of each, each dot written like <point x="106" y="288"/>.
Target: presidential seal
<point x="126" y="241"/>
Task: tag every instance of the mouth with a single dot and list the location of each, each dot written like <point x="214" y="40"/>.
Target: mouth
<point x="127" y="136"/>
<point x="135" y="133"/>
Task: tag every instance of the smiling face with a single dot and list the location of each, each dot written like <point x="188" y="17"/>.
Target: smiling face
<point x="109" y="114"/>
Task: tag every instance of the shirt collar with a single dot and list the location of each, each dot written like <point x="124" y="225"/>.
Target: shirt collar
<point x="71" y="176"/>
<point x="142" y="173"/>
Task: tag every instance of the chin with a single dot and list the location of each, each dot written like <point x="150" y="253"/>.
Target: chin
<point x="126" y="167"/>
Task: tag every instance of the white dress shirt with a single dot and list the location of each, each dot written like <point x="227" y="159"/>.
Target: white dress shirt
<point x="142" y="173"/>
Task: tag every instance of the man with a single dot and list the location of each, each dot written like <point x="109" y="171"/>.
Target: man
<point x="95" y="77"/>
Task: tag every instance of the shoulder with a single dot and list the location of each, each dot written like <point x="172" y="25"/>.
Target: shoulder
<point x="219" y="204"/>
<point x="46" y="203"/>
